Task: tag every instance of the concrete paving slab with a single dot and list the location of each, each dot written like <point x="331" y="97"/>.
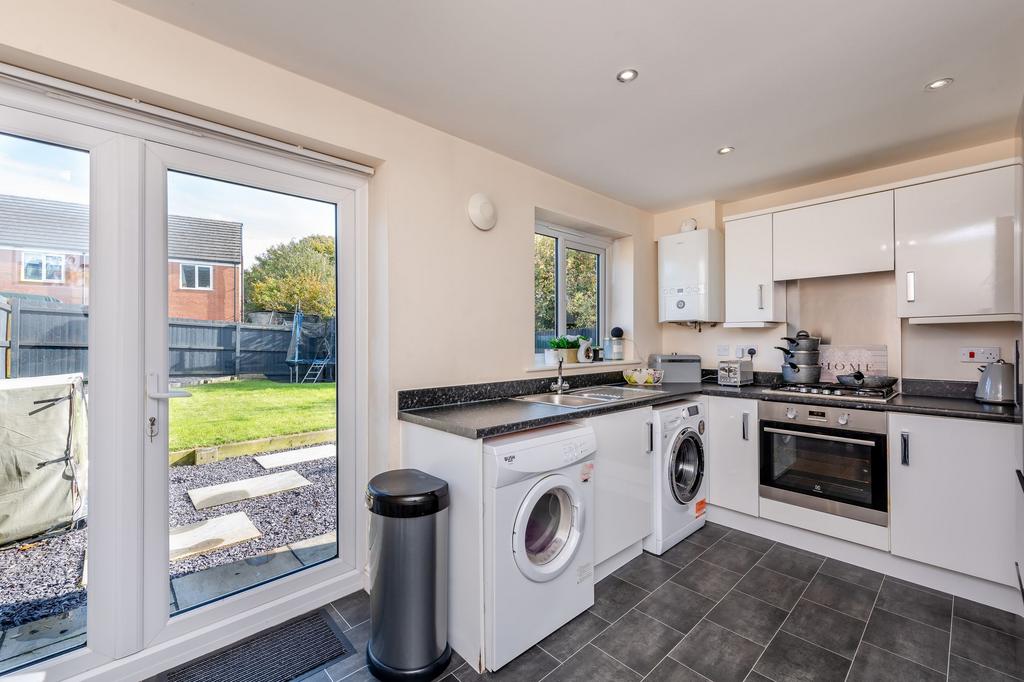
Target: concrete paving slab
<point x="246" y="489"/>
<point x="316" y="549"/>
<point x="290" y="457"/>
<point x="203" y="586"/>
<point x="211" y="534"/>
<point x="45" y="633"/>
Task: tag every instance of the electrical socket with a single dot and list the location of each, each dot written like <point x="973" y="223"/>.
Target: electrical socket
<point x="979" y="354"/>
<point x="741" y="351"/>
<point x="723" y="350"/>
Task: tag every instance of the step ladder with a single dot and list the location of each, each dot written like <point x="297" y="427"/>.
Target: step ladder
<point x="316" y="368"/>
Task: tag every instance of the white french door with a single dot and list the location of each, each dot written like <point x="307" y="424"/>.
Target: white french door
<point x="109" y="287"/>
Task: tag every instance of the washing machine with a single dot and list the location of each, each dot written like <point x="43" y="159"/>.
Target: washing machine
<point x="538" y="536"/>
<point x="680" y="474"/>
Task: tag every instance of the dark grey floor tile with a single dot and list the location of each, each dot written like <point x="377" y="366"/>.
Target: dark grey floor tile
<point x="991" y="648"/>
<point x="590" y="664"/>
<point x="775" y="588"/>
<point x="749" y="617"/>
<point x="355" y="608"/>
<point x="792" y="562"/>
<point x="716" y="653"/>
<point x="871" y="580"/>
<point x="359" y="636"/>
<point x="527" y="667"/>
<point x="638" y="641"/>
<point x="453" y="665"/>
<point x="322" y="676"/>
<point x="962" y="670"/>
<point x="673" y="671"/>
<point x="840" y="595"/>
<point x="613" y="597"/>
<point x="573" y="636"/>
<point x="873" y="664"/>
<point x="757" y="677"/>
<point x="732" y="557"/>
<point x="647" y="571"/>
<point x="791" y="658"/>
<point x="825" y="627"/>
<point x="908" y="638"/>
<point x="714" y="582"/>
<point x="709" y="534"/>
<point x="997" y="619"/>
<point x="676" y="606"/>
<point x="754" y="542"/>
<point x="922" y="588"/>
<point x="926" y="607"/>
<point x="683" y="553"/>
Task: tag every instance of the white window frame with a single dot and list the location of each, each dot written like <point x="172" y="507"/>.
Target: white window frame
<point x="195" y="267"/>
<point x="566" y="238"/>
<point x="43" y="255"/>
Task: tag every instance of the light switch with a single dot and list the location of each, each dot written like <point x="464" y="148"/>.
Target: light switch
<point x="723" y="350"/>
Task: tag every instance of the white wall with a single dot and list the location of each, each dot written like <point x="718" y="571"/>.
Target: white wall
<point x="451" y="304"/>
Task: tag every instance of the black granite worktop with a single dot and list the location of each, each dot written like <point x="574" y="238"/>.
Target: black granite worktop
<point x="483" y="410"/>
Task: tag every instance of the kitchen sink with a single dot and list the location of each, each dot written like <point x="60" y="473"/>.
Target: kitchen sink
<point x="585" y="397"/>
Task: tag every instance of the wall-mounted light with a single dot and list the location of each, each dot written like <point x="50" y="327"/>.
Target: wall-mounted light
<point x="482" y="212"/>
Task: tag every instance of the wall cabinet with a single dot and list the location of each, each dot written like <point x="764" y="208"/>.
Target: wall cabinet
<point x="733" y="465"/>
<point x="622" y="480"/>
<point x="751" y="293"/>
<point x="953" y="493"/>
<point x="840" y="237"/>
<point x="956" y="246"/>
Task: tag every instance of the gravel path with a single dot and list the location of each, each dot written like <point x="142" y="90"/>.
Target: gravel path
<point x="43" y="579"/>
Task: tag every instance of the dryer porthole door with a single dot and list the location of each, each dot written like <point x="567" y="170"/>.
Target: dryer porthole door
<point x="686" y="466"/>
<point x="548" y="528"/>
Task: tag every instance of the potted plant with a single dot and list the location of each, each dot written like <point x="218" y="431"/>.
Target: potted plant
<point x="565" y="347"/>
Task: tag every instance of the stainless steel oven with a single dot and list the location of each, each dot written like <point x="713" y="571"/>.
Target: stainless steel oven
<point x="830" y="459"/>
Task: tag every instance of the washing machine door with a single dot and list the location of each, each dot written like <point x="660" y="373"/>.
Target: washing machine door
<point x="548" y="528"/>
<point x="686" y="466"/>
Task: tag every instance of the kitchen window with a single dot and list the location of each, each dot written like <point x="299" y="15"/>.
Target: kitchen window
<point x="42" y="267"/>
<point x="570" y="291"/>
<point x="196" y="276"/>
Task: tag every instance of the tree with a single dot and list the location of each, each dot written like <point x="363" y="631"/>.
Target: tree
<point x="581" y="270"/>
<point x="296" y="273"/>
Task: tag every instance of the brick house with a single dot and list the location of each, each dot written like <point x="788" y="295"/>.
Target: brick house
<point x="44" y="251"/>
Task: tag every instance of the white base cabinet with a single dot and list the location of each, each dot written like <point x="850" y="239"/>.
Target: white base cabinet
<point x="953" y="493"/>
<point x="732" y="462"/>
<point x="751" y="293"/>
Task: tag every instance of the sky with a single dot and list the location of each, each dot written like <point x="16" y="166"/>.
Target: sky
<point x="46" y="171"/>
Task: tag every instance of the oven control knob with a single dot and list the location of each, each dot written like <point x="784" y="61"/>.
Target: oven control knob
<point x="843" y="419"/>
<point x="790" y="413"/>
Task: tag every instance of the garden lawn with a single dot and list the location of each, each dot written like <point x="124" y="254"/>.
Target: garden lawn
<point x="234" y="411"/>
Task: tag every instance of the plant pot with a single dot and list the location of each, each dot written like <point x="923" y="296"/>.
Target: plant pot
<point x="566" y="354"/>
<point x="550" y="357"/>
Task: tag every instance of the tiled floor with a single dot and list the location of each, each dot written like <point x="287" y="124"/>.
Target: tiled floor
<point x="725" y="605"/>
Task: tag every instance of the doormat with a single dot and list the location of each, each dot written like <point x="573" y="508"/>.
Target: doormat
<point x="283" y="653"/>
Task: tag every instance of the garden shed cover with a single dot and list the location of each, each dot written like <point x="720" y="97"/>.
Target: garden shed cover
<point x="42" y="455"/>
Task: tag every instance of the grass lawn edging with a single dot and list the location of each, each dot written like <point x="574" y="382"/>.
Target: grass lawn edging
<point x="216" y="453"/>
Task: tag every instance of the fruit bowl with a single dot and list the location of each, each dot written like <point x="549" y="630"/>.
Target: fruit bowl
<point x="642" y="376"/>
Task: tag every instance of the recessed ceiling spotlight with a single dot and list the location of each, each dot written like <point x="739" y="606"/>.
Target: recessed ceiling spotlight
<point x="722" y="151"/>
<point x="627" y="75"/>
<point x="939" y="84"/>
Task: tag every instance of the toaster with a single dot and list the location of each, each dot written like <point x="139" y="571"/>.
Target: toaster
<point x="735" y="372"/>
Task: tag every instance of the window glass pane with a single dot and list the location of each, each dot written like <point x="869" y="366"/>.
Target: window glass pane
<point x="276" y="290"/>
<point x="188" y="276"/>
<point x="581" y="291"/>
<point x="203" y="276"/>
<point x="545" y="284"/>
<point x="44" y="196"/>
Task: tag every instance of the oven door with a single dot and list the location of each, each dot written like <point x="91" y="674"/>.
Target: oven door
<point x="830" y="470"/>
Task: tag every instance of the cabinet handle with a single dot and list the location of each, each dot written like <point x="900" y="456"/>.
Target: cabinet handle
<point x="905" y="448"/>
<point x="650" y="437"/>
<point x="746" y="426"/>
<point x="760" y="297"/>
<point x="911" y="293"/>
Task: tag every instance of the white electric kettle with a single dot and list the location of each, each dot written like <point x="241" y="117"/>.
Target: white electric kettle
<point x="998" y="383"/>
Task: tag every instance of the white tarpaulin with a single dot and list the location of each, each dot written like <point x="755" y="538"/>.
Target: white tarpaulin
<point x="42" y="455"/>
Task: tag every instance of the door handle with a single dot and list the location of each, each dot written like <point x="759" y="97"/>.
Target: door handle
<point x="905" y="448"/>
<point x="170" y="394"/>
<point x="760" y="297"/>
<point x="911" y="289"/>
<point x="650" y="437"/>
<point x="745" y="426"/>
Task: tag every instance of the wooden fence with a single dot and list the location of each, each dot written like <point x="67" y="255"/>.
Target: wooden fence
<point x="52" y="338"/>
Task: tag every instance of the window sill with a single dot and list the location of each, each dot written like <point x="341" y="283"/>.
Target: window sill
<point x="583" y="365"/>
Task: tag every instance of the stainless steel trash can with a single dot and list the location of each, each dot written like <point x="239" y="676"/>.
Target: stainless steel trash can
<point x="408" y="556"/>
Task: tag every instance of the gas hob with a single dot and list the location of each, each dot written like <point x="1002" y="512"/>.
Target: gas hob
<point x="835" y="392"/>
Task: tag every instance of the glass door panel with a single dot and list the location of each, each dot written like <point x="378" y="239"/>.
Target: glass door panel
<point x="582" y="274"/>
<point x="252" y="338"/>
<point x="44" y="389"/>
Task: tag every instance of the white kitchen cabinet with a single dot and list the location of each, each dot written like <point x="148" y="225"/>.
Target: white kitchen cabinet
<point x="956" y="246"/>
<point x="751" y="293"/>
<point x="953" y="493"/>
<point x="733" y="464"/>
<point x="842" y="237"/>
<point x="623" y="477"/>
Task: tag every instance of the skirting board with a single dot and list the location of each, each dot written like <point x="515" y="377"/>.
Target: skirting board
<point x="983" y="591"/>
<point x="617" y="561"/>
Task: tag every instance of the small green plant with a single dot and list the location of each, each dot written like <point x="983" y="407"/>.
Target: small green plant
<point x="560" y="342"/>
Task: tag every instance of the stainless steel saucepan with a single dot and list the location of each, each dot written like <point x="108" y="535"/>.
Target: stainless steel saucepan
<point x="800" y="357"/>
<point x="860" y="380"/>
<point x="802" y="341"/>
<point x="793" y="373"/>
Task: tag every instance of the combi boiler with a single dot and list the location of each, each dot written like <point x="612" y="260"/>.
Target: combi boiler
<point x="691" y="277"/>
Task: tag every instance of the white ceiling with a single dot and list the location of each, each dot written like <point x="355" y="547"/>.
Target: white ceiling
<point x="803" y="89"/>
